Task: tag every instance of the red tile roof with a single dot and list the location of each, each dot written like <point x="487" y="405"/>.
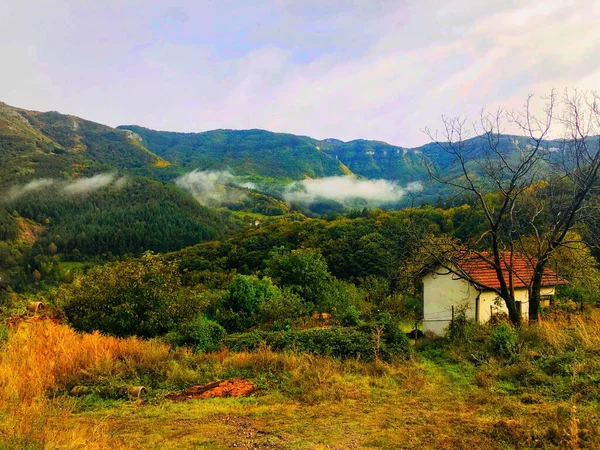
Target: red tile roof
<point x="484" y="273"/>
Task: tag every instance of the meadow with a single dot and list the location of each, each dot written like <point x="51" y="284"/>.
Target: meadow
<point x="483" y="386"/>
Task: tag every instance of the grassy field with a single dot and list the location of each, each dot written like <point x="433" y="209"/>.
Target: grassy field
<point x="445" y="396"/>
<point x="415" y="407"/>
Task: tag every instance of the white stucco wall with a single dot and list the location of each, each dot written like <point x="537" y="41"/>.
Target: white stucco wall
<point x="487" y="299"/>
<point x="440" y="293"/>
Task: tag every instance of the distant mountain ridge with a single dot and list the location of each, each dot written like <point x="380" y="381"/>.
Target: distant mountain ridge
<point x="254" y="153"/>
<point x="142" y="204"/>
<point x="37" y="145"/>
<point x="282" y="156"/>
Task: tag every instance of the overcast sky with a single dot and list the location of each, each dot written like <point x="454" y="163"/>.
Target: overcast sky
<point x="373" y="69"/>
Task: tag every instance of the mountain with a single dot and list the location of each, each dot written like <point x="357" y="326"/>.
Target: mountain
<point x="260" y="154"/>
<point x="375" y="159"/>
<point x="71" y="189"/>
<point x="75" y="190"/>
<point x="257" y="154"/>
<point x="38" y="145"/>
<point x="52" y="145"/>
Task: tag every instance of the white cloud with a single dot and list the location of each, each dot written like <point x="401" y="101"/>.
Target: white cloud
<point x="209" y="187"/>
<point x="347" y="69"/>
<point x="83" y="186"/>
<point x="80" y="186"/>
<point x="35" y="185"/>
<point x="343" y="189"/>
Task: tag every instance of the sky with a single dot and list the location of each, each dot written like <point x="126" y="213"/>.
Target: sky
<point x="370" y="69"/>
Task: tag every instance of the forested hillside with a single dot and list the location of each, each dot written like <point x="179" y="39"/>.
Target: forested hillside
<point x="52" y="145"/>
<point x="74" y="190"/>
<point x="255" y="153"/>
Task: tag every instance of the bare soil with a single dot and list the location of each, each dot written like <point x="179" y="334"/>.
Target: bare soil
<point x="229" y="388"/>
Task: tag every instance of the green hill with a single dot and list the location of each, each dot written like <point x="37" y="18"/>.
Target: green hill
<point x="375" y="160"/>
<point x="51" y="145"/>
<point x="256" y="154"/>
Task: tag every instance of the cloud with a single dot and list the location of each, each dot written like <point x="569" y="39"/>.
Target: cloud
<point x="209" y="187"/>
<point x="343" y="189"/>
<point x="80" y="186"/>
<point x="18" y="191"/>
<point x="347" y="69"/>
<point x="87" y="185"/>
<point x="122" y="182"/>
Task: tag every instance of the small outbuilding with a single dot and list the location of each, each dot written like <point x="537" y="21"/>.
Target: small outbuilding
<point x="471" y="283"/>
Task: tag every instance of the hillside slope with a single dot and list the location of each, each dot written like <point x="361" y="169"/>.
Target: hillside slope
<point x="257" y="154"/>
<point x="278" y="156"/>
<point x="53" y="145"/>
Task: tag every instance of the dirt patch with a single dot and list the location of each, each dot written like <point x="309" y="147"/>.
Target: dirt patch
<point x="229" y="388"/>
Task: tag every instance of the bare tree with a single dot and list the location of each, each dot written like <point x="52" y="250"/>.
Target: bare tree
<point x="533" y="192"/>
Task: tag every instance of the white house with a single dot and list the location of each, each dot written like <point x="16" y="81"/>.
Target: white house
<point x="446" y="288"/>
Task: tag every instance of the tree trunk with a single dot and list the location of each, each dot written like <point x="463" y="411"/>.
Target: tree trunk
<point x="534" y="308"/>
<point x="513" y="312"/>
<point x="534" y="294"/>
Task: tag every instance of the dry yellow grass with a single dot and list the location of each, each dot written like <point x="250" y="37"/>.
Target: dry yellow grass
<point x="42" y="357"/>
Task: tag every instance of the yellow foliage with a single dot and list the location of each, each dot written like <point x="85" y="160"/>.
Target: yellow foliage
<point x="346" y="169"/>
<point x="161" y="163"/>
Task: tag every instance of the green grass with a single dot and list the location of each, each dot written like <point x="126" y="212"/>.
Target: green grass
<point x="415" y="406"/>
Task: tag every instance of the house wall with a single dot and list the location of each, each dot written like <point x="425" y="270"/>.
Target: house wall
<point x="488" y="298"/>
<point x="440" y="293"/>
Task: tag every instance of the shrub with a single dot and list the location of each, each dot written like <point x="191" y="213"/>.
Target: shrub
<point x="337" y="342"/>
<point x="351" y="316"/>
<point x="203" y="336"/>
<point x="504" y="340"/>
<point x="304" y="271"/>
<point x="395" y="342"/>
<point x="141" y="297"/>
<point x="240" y="307"/>
<point x="342" y="301"/>
<point x="461" y="328"/>
<point x="284" y="307"/>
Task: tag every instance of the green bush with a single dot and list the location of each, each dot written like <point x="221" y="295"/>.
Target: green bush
<point x="141" y="297"/>
<point x="240" y="308"/>
<point x="503" y="341"/>
<point x="284" y="307"/>
<point x="337" y="342"/>
<point x="578" y="294"/>
<point x="461" y="328"/>
<point x="305" y="272"/>
<point x="394" y="341"/>
<point x="350" y="317"/>
<point x="342" y="301"/>
<point x="203" y="336"/>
